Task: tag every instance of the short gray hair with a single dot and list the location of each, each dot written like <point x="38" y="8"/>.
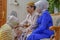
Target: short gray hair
<point x="42" y="4"/>
<point x="13" y="21"/>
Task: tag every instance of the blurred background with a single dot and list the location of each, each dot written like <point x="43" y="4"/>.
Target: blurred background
<point x="7" y="7"/>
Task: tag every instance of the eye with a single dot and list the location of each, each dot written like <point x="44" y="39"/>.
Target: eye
<point x="27" y="7"/>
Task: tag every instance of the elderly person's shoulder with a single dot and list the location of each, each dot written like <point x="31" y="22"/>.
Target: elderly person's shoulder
<point x="5" y="33"/>
<point x="5" y="30"/>
<point x="5" y="27"/>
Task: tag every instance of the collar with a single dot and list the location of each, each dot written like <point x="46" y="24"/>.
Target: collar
<point x="32" y="13"/>
<point x="44" y="10"/>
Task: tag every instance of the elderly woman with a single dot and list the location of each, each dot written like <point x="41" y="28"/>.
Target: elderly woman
<point x="6" y="31"/>
<point x="43" y="22"/>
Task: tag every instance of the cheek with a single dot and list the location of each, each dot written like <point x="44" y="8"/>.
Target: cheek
<point x="28" y="9"/>
<point x="38" y="10"/>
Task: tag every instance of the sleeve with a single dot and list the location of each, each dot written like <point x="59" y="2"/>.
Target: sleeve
<point x="24" y="21"/>
<point x="33" y="25"/>
<point x="43" y="24"/>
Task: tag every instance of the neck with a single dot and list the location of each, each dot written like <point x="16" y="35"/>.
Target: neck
<point x="31" y="13"/>
<point x="44" y="9"/>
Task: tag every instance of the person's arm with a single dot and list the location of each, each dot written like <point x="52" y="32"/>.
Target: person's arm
<point x="24" y="21"/>
<point x="33" y="24"/>
<point x="43" y="24"/>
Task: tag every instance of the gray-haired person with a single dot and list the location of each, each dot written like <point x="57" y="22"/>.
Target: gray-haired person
<point x="7" y="30"/>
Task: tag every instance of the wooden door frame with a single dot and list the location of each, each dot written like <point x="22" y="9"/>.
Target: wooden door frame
<point x="5" y="10"/>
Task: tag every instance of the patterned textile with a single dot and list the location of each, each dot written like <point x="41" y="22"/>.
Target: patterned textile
<point x="6" y="33"/>
<point x="23" y="36"/>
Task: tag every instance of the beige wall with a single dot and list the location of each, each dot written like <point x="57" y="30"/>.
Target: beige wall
<point x="21" y="9"/>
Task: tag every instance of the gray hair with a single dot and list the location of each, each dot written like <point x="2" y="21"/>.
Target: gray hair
<point x="13" y="21"/>
<point x="42" y="4"/>
<point x="14" y="13"/>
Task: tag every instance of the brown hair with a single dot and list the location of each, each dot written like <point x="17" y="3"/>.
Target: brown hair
<point x="31" y="4"/>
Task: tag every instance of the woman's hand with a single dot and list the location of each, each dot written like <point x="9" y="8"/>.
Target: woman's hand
<point x="52" y="28"/>
<point x="18" y="32"/>
<point x="27" y="31"/>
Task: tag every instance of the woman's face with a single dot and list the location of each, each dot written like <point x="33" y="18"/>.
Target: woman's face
<point x="38" y="10"/>
<point x="29" y="9"/>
